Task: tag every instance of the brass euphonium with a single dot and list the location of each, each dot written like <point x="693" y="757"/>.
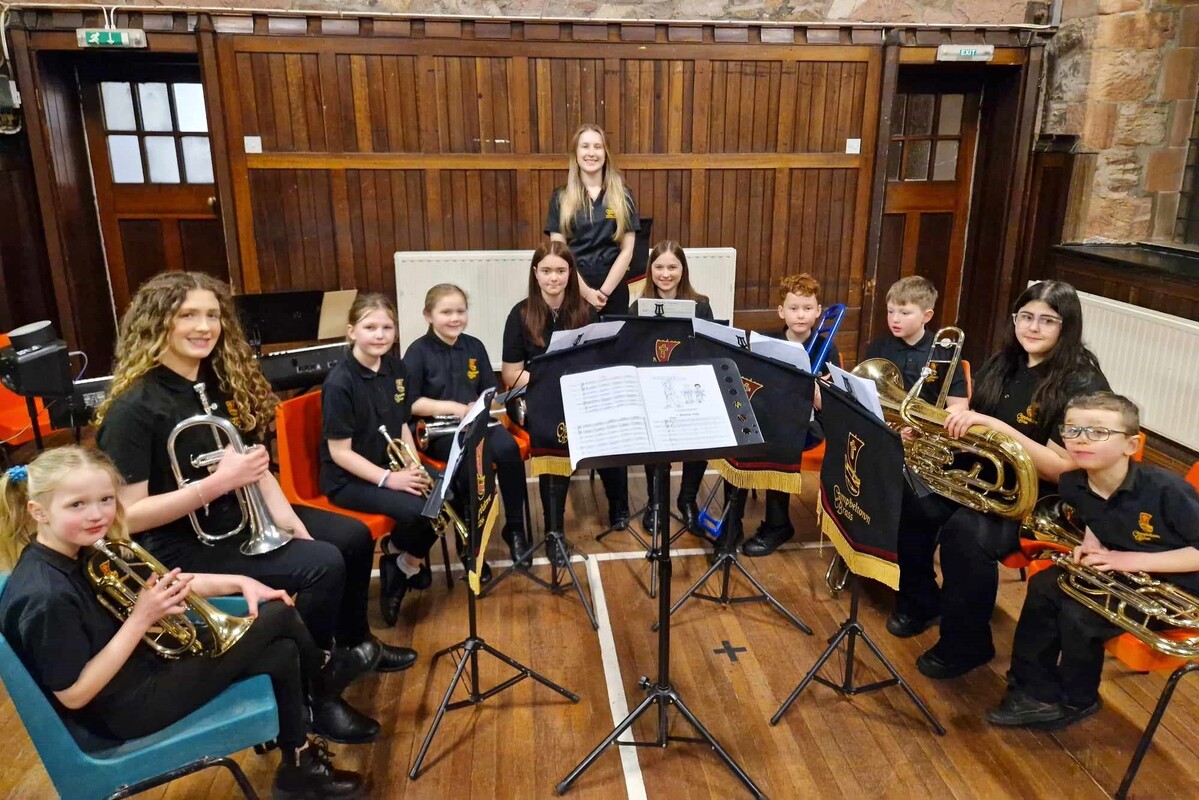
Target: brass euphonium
<point x="265" y="534"/>
<point x="998" y="476"/>
<point x="113" y="570"/>
<point x="1134" y="601"/>
<point x="399" y="457"/>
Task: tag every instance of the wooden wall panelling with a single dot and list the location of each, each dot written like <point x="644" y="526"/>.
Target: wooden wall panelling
<point x="26" y="292"/>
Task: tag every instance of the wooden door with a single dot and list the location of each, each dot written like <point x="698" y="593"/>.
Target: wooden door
<point x="151" y="157"/>
<point x="930" y="171"/>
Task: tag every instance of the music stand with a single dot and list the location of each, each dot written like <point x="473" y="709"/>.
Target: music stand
<point x="470" y="435"/>
<point x="661" y="692"/>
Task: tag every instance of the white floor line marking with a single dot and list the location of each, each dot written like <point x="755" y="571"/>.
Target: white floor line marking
<point x="617" y="701"/>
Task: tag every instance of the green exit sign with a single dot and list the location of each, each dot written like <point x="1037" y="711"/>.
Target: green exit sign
<point x="110" y="37"/>
<point x="970" y="52"/>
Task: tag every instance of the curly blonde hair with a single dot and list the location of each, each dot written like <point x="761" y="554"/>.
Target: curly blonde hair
<point x="143" y="337"/>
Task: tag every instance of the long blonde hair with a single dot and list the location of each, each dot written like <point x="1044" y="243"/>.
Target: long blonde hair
<point x="574" y="195"/>
<point x="39" y="480"/>
<point x="147" y="324"/>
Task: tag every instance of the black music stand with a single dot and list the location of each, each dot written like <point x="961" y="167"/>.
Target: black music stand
<point x="471" y="434"/>
<point x="661" y="692"/>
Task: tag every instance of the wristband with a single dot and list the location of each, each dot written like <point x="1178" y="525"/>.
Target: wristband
<point x="383" y="480"/>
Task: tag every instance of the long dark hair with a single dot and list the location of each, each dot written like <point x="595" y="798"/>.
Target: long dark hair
<point x="574" y="311"/>
<point x="685" y="290"/>
<point x="1067" y="370"/>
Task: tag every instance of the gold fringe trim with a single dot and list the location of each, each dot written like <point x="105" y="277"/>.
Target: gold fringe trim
<point x="861" y="564"/>
<point x="788" y="482"/>
<point x="550" y="465"/>
<point x="472" y="578"/>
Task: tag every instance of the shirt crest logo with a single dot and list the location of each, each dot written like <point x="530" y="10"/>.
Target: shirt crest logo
<point x="609" y="214"/>
<point x="853" y="449"/>
<point x="663" y="348"/>
<point x="401" y="391"/>
<point x="472" y="369"/>
<point x="1145" y="529"/>
<point x="751" y="386"/>
<point x="1029" y="415"/>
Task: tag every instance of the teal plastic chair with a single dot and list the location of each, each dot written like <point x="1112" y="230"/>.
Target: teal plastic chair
<point x="244" y="715"/>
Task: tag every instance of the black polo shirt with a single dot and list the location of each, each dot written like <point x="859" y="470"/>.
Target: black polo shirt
<point x="51" y="617"/>
<point x="459" y="372"/>
<point x="833" y="357"/>
<point x="135" y="433"/>
<point x="591" y="235"/>
<point x="911" y="358"/>
<point x="355" y="401"/>
<point x="1016" y="406"/>
<point x="516" y="347"/>
<point x="1153" y="510"/>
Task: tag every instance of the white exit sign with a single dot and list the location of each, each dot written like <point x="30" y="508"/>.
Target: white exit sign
<point x="110" y="37"/>
<point x="966" y="52"/>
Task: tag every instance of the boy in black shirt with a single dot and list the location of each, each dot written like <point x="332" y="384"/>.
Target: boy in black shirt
<point x="1137" y="519"/>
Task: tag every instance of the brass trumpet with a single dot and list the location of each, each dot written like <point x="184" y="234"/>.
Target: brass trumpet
<point x="265" y="534"/>
<point x="1130" y="600"/>
<point x="117" y="583"/>
<point x="399" y="457"/>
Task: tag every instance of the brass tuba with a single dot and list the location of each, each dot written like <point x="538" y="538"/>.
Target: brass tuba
<point x="118" y="579"/>
<point x="1132" y="600"/>
<point x="1012" y="490"/>
<point x="400" y="457"/>
<point x="265" y="534"/>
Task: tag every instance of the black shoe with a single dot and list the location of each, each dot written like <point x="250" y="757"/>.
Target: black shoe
<point x="1017" y="709"/>
<point x="394" y="658"/>
<point x="393" y="585"/>
<point x="905" y="626"/>
<point x="338" y="721"/>
<point x="346" y="664"/>
<point x="932" y="665"/>
<point x="517" y="541"/>
<point x="689" y="511"/>
<point x="1071" y="715"/>
<point x="647" y="520"/>
<point x="423" y="579"/>
<point x="767" y="540"/>
<point x="618" y="519"/>
<point x="309" y="774"/>
<point x="484" y="575"/>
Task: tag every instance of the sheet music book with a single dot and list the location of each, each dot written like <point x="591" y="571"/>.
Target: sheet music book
<point x="657" y="307"/>
<point x="625" y="409"/>
<point x="783" y="350"/>
<point x="564" y="340"/>
<point x="721" y="333"/>
<point x="860" y="389"/>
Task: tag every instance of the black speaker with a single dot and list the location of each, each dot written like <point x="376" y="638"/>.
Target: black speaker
<point x="37" y="363"/>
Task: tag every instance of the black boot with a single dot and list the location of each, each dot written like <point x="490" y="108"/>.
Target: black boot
<point x="333" y="717"/>
<point x="308" y="774"/>
<point x="775" y="529"/>
<point x="693" y="478"/>
<point x="394" y="658"/>
<point x="484" y="571"/>
<point x="393" y="585"/>
<point x="553" y="501"/>
<point x="517" y="540"/>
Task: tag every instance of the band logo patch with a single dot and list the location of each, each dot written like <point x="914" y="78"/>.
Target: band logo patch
<point x="561" y="433"/>
<point x="663" y="348"/>
<point x="1145" y="529"/>
<point x="751" y="386"/>
<point x="1029" y="415"/>
<point x="401" y="391"/>
<point x="472" y="369"/>
<point x="853" y="449"/>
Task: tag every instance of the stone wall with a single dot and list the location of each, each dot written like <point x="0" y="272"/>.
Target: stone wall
<point x="1123" y="77"/>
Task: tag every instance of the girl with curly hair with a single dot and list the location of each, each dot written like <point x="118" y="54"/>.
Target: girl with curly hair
<point x="180" y="330"/>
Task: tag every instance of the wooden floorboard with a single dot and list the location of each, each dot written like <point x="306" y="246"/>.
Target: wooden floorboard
<point x="520" y="743"/>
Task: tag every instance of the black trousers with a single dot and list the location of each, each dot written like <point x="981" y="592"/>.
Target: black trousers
<point x="412" y="533"/>
<point x="330" y="574"/>
<point x="1057" y="655"/>
<point x="971" y="546"/>
<point x="555" y="487"/>
<point x="778" y="507"/>
<point x="618" y="301"/>
<point x="693" y="478"/>
<point x="509" y="471"/>
<point x="277" y="645"/>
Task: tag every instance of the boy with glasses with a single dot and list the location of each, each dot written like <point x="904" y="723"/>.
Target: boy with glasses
<point x="1137" y="519"/>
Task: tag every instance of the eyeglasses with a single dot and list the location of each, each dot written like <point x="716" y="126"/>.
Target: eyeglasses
<point x="1092" y="433"/>
<point x="1023" y="319"/>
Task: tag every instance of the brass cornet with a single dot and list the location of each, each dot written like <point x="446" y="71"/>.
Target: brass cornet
<point x="265" y="534"/>
<point x="435" y="427"/>
<point x="117" y="582"/>
<point x="1131" y="600"/>
<point x="399" y="457"/>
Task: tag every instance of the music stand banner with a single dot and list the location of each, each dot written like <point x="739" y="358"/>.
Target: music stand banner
<point x="861" y="487"/>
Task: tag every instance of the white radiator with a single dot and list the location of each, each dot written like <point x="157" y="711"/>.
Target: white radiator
<point x="496" y="280"/>
<point x="1149" y="357"/>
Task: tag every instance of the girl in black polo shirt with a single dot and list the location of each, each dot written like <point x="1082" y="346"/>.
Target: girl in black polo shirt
<point x="670" y="279"/>
<point x="368" y="389"/>
<point x="92" y="667"/>
<point x="595" y="214"/>
<point x="181" y="328"/>
<point x="555" y="304"/>
<point x="1022" y="391"/>
<point x="447" y="371"/>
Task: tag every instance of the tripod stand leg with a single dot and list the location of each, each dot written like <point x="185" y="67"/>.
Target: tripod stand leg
<point x="903" y="684"/>
<point x="575" y="580"/>
<point x="441" y="709"/>
<point x="695" y="588"/>
<point x="641" y="708"/>
<point x="725" y="757"/>
<point x="769" y="598"/>
<point x="519" y="667"/>
<point x="820" y="662"/>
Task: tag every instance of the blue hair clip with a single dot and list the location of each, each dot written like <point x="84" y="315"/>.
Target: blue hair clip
<point x="18" y="474"/>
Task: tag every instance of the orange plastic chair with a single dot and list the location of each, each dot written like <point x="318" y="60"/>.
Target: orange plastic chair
<point x="15" y="428"/>
<point x="1193" y="475"/>
<point x="969" y="381"/>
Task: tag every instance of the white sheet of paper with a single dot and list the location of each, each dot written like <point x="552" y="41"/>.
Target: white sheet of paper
<point x="861" y="389"/>
<point x="788" y="352"/>
<point x="721" y="333"/>
<point x="685" y="408"/>
<point x="564" y="340"/>
<point x="482" y="406"/>
<point x="648" y="307"/>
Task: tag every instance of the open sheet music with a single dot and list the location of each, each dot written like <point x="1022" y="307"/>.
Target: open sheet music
<point x="780" y="350"/>
<point x="563" y="340"/>
<point x="861" y="389"/>
<point x="619" y="410"/>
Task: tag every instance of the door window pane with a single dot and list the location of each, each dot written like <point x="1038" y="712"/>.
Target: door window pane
<point x="126" y="159"/>
<point x="117" y="100"/>
<point x="950" y="123"/>
<point x="156" y="107"/>
<point x="189" y="107"/>
<point x="915" y="164"/>
<point x="920" y="115"/>
<point x="894" y="154"/>
<point x="897" y="114"/>
<point x="945" y="164"/>
<point x="197" y="159"/>
<point x="164" y="162"/>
